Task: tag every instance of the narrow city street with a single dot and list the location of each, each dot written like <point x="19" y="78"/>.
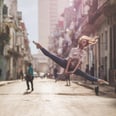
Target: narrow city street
<point x="53" y="99"/>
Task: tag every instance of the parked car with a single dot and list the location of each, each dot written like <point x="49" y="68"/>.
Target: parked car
<point x="35" y="74"/>
<point x="41" y="74"/>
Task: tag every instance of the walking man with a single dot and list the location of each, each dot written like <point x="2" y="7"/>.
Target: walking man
<point x="29" y="77"/>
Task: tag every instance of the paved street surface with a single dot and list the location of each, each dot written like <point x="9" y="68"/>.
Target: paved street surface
<point x="53" y="99"/>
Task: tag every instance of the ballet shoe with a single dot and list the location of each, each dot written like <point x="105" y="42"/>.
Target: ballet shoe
<point x="100" y="81"/>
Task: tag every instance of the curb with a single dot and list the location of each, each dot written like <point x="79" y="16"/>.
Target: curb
<point x="106" y="93"/>
<point x="87" y="86"/>
<point x="3" y="83"/>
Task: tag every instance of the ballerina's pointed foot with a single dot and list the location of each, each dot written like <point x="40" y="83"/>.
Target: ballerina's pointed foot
<point x="39" y="46"/>
<point x="100" y="81"/>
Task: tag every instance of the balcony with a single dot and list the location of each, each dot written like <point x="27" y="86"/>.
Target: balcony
<point x="110" y="8"/>
<point x="86" y="27"/>
<point x="107" y="8"/>
<point x="96" y="16"/>
<point x="4" y="37"/>
<point x="93" y="16"/>
<point x="13" y="52"/>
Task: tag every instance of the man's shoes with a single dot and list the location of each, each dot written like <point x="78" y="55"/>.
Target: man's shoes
<point x="68" y="85"/>
<point x="32" y="89"/>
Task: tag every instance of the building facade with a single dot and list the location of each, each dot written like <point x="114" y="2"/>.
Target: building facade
<point x="94" y="17"/>
<point x="49" y="12"/>
<point x="14" y="44"/>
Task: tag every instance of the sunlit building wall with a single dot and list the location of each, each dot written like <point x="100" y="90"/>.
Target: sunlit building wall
<point x="12" y="7"/>
<point x="49" y="12"/>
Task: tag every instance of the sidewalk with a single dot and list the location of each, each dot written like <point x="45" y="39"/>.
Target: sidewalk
<point x="2" y="83"/>
<point x="104" y="90"/>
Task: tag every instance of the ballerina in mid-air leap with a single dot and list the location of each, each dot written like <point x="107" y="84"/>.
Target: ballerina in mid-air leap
<point x="76" y="57"/>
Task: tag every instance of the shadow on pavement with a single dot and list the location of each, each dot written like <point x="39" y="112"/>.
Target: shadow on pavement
<point x="27" y="92"/>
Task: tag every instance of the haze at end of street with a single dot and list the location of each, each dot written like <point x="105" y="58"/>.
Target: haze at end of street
<point x="29" y="11"/>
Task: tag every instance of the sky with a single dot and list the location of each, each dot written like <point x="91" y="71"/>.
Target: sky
<point x="29" y="10"/>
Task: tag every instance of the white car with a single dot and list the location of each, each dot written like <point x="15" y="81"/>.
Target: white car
<point x="42" y="74"/>
<point x="35" y="74"/>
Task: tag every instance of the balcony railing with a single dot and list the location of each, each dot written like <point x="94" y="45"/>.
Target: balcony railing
<point x="101" y="3"/>
<point x="4" y="37"/>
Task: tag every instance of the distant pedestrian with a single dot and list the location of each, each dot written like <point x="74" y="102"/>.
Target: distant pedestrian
<point x="67" y="78"/>
<point x="92" y="71"/>
<point x="87" y="71"/>
<point x="7" y="75"/>
<point x="101" y="72"/>
<point x="56" y="74"/>
<point x="0" y="72"/>
<point x="21" y="74"/>
<point x="29" y="77"/>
